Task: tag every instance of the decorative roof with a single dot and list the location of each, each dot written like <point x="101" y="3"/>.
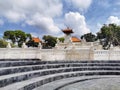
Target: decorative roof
<point x="67" y="30"/>
<point x="36" y="40"/>
<point x="75" y="39"/>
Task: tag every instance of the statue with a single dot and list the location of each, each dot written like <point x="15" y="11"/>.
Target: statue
<point x="58" y="41"/>
<point x="39" y="46"/>
<point x="24" y="45"/>
<point x="8" y="45"/>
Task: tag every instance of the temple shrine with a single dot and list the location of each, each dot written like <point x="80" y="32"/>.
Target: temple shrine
<point x="74" y="42"/>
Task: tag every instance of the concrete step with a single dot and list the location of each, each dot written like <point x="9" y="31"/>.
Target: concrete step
<point x="39" y="81"/>
<point x="16" y="77"/>
<point x="68" y="75"/>
<point x="56" y="85"/>
<point x="26" y="75"/>
<point x="17" y="69"/>
<point x="21" y="63"/>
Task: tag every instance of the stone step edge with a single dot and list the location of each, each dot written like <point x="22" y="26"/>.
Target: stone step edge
<point x="26" y="85"/>
<point x="24" y="76"/>
<point x="63" y="82"/>
<point x="11" y="70"/>
<point x="9" y="64"/>
<point x="58" y="69"/>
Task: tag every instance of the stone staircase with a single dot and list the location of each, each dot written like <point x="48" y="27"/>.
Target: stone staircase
<point x="52" y="75"/>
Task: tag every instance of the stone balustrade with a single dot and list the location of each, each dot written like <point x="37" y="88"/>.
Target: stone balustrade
<point x="107" y="55"/>
<point x="59" y="54"/>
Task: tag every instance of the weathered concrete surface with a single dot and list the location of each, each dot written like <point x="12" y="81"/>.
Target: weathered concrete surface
<point x="59" y="54"/>
<point x="95" y="84"/>
<point x="75" y="82"/>
<point x="18" y="79"/>
<point x="46" y="54"/>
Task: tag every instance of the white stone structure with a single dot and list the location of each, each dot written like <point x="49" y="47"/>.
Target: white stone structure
<point x="8" y="45"/>
<point x="24" y="45"/>
<point x="63" y="51"/>
<point x="83" y="53"/>
<point x="112" y="54"/>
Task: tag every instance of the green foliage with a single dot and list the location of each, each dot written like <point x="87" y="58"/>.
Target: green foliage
<point x="29" y="37"/>
<point x="31" y="43"/>
<point x="61" y="39"/>
<point x="89" y="37"/>
<point x="3" y="43"/>
<point x="16" y="36"/>
<point x="50" y="41"/>
<point x="109" y="34"/>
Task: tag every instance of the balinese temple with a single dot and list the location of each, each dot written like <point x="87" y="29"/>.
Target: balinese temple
<point x="67" y="33"/>
<point x="74" y="42"/>
<point x="37" y="40"/>
<point x="75" y="39"/>
<point x="69" y="39"/>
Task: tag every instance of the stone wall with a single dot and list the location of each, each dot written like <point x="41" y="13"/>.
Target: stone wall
<point x="19" y="53"/>
<point x="59" y="54"/>
<point x="45" y="54"/>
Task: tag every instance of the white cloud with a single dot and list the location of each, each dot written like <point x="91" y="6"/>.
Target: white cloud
<point x="42" y="13"/>
<point x="44" y="23"/>
<point x="27" y="8"/>
<point x="113" y="19"/>
<point x="76" y="21"/>
<point x="14" y="16"/>
<point x="38" y="13"/>
<point x="80" y="4"/>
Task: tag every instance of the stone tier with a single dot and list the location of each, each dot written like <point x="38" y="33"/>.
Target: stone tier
<point x="34" y="74"/>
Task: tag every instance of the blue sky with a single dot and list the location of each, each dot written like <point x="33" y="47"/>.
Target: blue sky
<point x="48" y="17"/>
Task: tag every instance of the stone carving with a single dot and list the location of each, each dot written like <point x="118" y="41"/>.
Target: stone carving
<point x="8" y="46"/>
<point x="24" y="45"/>
<point x="39" y="46"/>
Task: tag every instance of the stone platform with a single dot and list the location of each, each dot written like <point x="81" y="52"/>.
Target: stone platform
<point x="55" y="75"/>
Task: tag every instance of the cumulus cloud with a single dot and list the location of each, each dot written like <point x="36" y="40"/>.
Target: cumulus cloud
<point x="44" y="23"/>
<point x="77" y="22"/>
<point x="80" y="4"/>
<point x="42" y="14"/>
<point x="113" y="19"/>
<point x="38" y="13"/>
<point x="24" y="8"/>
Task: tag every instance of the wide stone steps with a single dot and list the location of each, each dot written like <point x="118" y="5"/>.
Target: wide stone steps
<point x="58" y="84"/>
<point x="38" y="81"/>
<point x="36" y="62"/>
<point x="17" y="69"/>
<point x="28" y="75"/>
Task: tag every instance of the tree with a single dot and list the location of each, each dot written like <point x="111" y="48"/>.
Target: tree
<point x="61" y="39"/>
<point x="16" y="36"/>
<point x="3" y="43"/>
<point x="109" y="34"/>
<point x="31" y="43"/>
<point x="50" y="41"/>
<point x="89" y="37"/>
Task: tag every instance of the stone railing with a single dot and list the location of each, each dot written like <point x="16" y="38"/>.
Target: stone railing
<point x="19" y="53"/>
<point x="107" y="55"/>
<point x="59" y="54"/>
<point x="46" y="54"/>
